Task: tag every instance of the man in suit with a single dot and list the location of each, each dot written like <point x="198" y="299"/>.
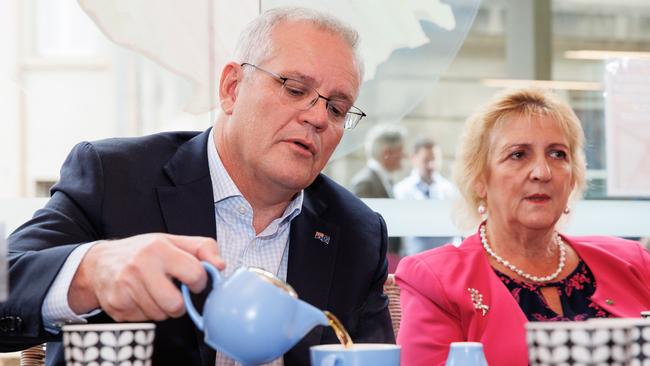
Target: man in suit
<point x="385" y="151"/>
<point x="130" y="218"/>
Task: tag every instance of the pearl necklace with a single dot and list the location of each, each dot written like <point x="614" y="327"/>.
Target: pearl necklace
<point x="518" y="271"/>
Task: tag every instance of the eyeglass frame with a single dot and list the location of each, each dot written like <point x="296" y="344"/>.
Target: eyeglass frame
<point x="283" y="80"/>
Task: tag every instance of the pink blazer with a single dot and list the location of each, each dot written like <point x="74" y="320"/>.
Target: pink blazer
<point x="437" y="308"/>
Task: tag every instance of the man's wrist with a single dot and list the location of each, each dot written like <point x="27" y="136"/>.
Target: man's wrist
<point x="81" y="295"/>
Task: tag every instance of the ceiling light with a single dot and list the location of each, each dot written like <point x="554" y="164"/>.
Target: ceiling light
<point x="604" y="54"/>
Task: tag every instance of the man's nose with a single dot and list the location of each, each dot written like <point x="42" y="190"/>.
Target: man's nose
<point x="317" y="115"/>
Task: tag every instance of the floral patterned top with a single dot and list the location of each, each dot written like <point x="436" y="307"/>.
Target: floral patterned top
<point x="575" y="296"/>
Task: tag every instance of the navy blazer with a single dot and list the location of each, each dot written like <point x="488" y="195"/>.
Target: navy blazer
<point x="117" y="188"/>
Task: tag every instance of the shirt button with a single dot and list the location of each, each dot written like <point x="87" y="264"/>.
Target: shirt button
<point x="242" y="210"/>
<point x="609" y="302"/>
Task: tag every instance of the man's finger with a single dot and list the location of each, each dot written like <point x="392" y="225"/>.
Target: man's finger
<point x="147" y="301"/>
<point x="200" y="247"/>
<point x="166" y="295"/>
<point x="182" y="265"/>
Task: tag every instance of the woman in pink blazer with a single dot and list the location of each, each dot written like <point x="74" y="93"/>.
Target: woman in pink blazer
<point x="519" y="161"/>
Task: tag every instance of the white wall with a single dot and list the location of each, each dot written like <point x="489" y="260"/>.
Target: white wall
<point x="9" y="107"/>
<point x="64" y="107"/>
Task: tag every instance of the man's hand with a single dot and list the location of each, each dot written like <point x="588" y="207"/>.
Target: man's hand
<point x="131" y="279"/>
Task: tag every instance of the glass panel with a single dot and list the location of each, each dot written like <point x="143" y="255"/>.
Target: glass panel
<point x="154" y="67"/>
<point x="62" y="29"/>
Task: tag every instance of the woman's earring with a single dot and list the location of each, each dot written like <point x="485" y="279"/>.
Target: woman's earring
<point x="567" y="210"/>
<point x="481" y="209"/>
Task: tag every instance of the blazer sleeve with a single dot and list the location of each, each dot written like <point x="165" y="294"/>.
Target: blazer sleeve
<point x="645" y="260"/>
<point x="375" y="325"/>
<point x="39" y="248"/>
<point x="429" y="323"/>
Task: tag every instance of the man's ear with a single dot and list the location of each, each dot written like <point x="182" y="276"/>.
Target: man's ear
<point x="231" y="76"/>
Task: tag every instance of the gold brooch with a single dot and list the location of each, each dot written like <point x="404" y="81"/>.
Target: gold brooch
<point x="477" y="300"/>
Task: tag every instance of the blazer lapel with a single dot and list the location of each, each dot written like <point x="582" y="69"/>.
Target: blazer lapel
<point x="188" y="209"/>
<point x="312" y="258"/>
<point x="187" y="205"/>
<point x="503" y="308"/>
<point x="614" y="281"/>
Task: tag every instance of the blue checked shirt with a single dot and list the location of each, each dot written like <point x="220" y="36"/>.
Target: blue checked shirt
<point x="238" y="245"/>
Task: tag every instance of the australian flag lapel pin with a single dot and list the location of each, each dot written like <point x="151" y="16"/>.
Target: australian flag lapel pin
<point x="322" y="237"/>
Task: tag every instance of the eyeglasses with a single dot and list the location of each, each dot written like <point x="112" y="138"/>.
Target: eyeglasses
<point x="303" y="97"/>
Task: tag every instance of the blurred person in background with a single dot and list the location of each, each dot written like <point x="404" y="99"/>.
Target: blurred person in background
<point x="520" y="160"/>
<point x="424" y="183"/>
<point x="384" y="151"/>
<point x="132" y="217"/>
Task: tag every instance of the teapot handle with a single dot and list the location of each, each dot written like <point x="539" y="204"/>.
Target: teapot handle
<point x="191" y="310"/>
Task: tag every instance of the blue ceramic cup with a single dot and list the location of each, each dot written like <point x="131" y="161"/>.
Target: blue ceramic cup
<point x="466" y="354"/>
<point x="252" y="316"/>
<point x="360" y="354"/>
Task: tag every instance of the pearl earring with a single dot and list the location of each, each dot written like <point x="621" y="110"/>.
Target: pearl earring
<point x="481" y="209"/>
<point x="567" y="210"/>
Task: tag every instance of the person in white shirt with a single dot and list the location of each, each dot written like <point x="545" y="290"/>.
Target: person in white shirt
<point x="425" y="182"/>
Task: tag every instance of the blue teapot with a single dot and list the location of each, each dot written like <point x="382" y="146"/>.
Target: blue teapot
<point x="253" y="317"/>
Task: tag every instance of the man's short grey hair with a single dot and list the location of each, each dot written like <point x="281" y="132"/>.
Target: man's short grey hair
<point x="255" y="44"/>
<point x="382" y="137"/>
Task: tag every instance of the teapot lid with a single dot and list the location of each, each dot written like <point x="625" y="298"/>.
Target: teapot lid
<point x="274" y="280"/>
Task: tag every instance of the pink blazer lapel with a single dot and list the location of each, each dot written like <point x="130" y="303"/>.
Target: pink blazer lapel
<point x="618" y="287"/>
<point x="501" y="329"/>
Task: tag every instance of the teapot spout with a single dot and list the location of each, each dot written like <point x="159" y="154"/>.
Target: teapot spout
<point x="306" y="318"/>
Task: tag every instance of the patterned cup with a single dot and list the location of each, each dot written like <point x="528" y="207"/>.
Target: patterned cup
<point x="625" y="346"/>
<point x="613" y="341"/>
<point x="123" y="344"/>
<point x="577" y="343"/>
<point x="640" y="343"/>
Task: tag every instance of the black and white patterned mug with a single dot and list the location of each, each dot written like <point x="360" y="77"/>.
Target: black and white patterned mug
<point x="577" y="343"/>
<point x="123" y="344"/>
<point x="640" y="343"/>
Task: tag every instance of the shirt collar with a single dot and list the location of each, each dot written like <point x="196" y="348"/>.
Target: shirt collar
<point x="416" y="176"/>
<point x="224" y="187"/>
